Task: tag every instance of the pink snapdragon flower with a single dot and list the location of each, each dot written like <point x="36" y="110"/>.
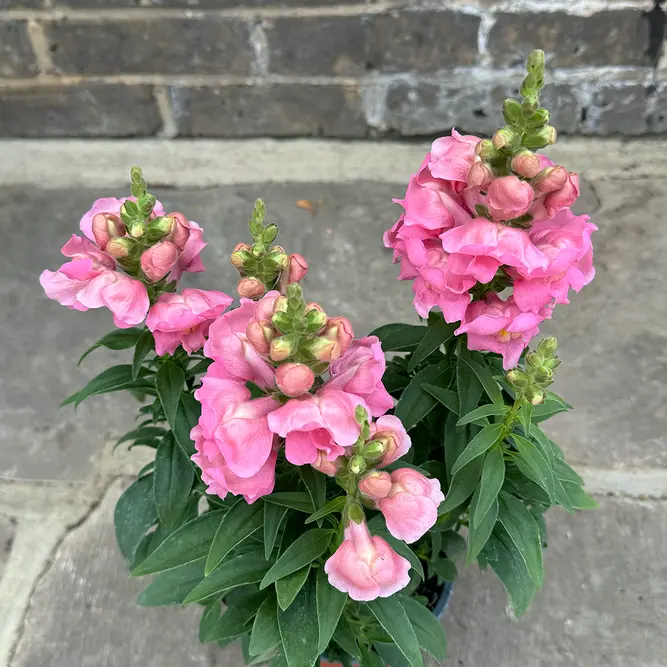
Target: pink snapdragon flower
<point x="184" y="319"/>
<point x="298" y="268"/>
<point x="220" y="479"/>
<point x="228" y="343"/>
<point x="294" y="379"/>
<point x="158" y="260"/>
<point x="509" y="197"/>
<point x="451" y="157"/>
<point x="366" y="567"/>
<point x="236" y="422"/>
<point x="389" y="430"/>
<point x="189" y="260"/>
<point x="109" y="205"/>
<point x="313" y="423"/>
<point x="500" y="326"/>
<point x="359" y="371"/>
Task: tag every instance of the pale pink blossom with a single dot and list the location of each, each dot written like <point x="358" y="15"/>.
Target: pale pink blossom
<point x="509" y="197"/>
<point x="184" y="319"/>
<point x="313" y="423"/>
<point x="109" y="205"/>
<point x="250" y="287"/>
<point x="389" y="430"/>
<point x="106" y="227"/>
<point x="298" y="268"/>
<point x="294" y="379"/>
<point x="366" y="567"/>
<point x="410" y="507"/>
<point x="189" y="260"/>
<point x="375" y="485"/>
<point x="323" y="465"/>
<point x="359" y="371"/>
<point x="563" y="197"/>
<point x="338" y="330"/>
<point x="158" y="260"/>
<point x="500" y="326"/>
<point x="451" y="157"/>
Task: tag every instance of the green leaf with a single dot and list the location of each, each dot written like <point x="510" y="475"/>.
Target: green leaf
<point x="335" y="505"/>
<point x="172" y="480"/>
<point x="578" y="497"/>
<point x="265" y="633"/>
<point x="344" y="636"/>
<point x="288" y="587"/>
<point x="435" y="336"/>
<point x="538" y="468"/>
<point x="122" y="339"/>
<point x="169" y="383"/>
<point x="208" y="619"/>
<point x="484" y="440"/>
<point x="478" y="535"/>
<point x="468" y="387"/>
<point x="244" y="569"/>
<point x="370" y="658"/>
<point x="445" y="568"/>
<point x="462" y="485"/>
<point x="238" y="524"/>
<point x="112" y="379"/>
<point x="415" y="402"/>
<point x="493" y="476"/>
<point x="304" y="550"/>
<point x="316" y="485"/>
<point x="172" y="587"/>
<point x="526" y="415"/>
<point x="392" y="617"/>
<point x="273" y="518"/>
<point x="298" y="628"/>
<point x="401" y="548"/>
<point x="445" y="396"/>
<point x="145" y="344"/>
<point x="565" y="473"/>
<point x="234" y="622"/>
<point x="430" y="634"/>
<point x="187" y="416"/>
<point x="330" y="605"/>
<point x="524" y="533"/>
<point x="394" y="382"/>
<point x="453" y="543"/>
<point x="390" y="654"/>
<point x="296" y="500"/>
<point x="399" y="337"/>
<point x="490" y="386"/>
<point x="553" y="405"/>
<point x="190" y="542"/>
<point x="135" y="513"/>
<point x="483" y="411"/>
<point x="455" y="442"/>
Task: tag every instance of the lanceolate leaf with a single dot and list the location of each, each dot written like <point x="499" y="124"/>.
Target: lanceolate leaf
<point x="335" y="505"/>
<point x="445" y="396"/>
<point x="330" y="605"/>
<point x="172" y="480"/>
<point x="392" y="617"/>
<point x="298" y="628"/>
<point x="273" y="518"/>
<point x="265" y="633"/>
<point x="370" y="658"/>
<point x="122" y="339"/>
<point x="173" y="586"/>
<point x="483" y="411"/>
<point x="297" y="500"/>
<point x="169" y="383"/>
<point x="493" y="476"/>
<point x="462" y="485"/>
<point x="288" y="587"/>
<point x="526" y="416"/>
<point x="399" y="337"/>
<point x="316" y="484"/>
<point x="115" y="378"/>
<point x="485" y="439"/>
<point x="478" y="535"/>
<point x="187" y="416"/>
<point x="435" y="336"/>
<point x="135" y="513"/>
<point x="430" y="634"/>
<point x="539" y="469"/>
<point x="468" y="387"/>
<point x="491" y="387"/>
<point x="144" y="345"/>
<point x="415" y="403"/>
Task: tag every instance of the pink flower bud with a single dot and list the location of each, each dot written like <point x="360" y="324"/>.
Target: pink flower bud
<point x="119" y="247"/>
<point x="320" y="348"/>
<point x="565" y="196"/>
<point x="238" y="255"/>
<point x="158" y="260"/>
<point x="180" y="232"/>
<point x="250" y="287"/>
<point x="550" y="179"/>
<point x="526" y="164"/>
<point x="480" y="175"/>
<point x="509" y="197"/>
<point x="327" y="467"/>
<point x="389" y="430"/>
<point x="106" y="227"/>
<point x="260" y="333"/>
<point x="281" y="348"/>
<point x="298" y="268"/>
<point x="294" y="379"/>
<point x="339" y="330"/>
<point x="375" y="485"/>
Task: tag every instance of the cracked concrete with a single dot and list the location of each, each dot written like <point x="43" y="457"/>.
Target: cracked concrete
<point x="65" y="598"/>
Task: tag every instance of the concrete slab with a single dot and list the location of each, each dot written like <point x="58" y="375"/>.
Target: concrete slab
<point x="7" y="531"/>
<point x="604" y="602"/>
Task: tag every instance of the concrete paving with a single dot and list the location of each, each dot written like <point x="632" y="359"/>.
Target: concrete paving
<point x="64" y="596"/>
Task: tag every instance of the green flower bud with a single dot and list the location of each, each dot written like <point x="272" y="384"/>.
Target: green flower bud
<point x="544" y="376"/>
<point x="282" y="348"/>
<point x="360" y="414"/>
<point x="374" y="450"/>
<point x="357" y="465"/>
<point x="518" y="378"/>
<point x="269" y="234"/>
<point x="511" y="111"/>
<point x="137" y="229"/>
<point x="540" y="138"/>
<point x="535" y="396"/>
<point x="533" y="360"/>
<point x="485" y="150"/>
<point x="538" y="119"/>
<point x="283" y="322"/>
<point x="548" y="347"/>
<point x="504" y="138"/>
<point x="276" y="261"/>
<point x="536" y="61"/>
<point x="315" y="320"/>
<point x="552" y="364"/>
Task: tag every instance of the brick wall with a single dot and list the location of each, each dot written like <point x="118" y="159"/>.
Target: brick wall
<point x="334" y="68"/>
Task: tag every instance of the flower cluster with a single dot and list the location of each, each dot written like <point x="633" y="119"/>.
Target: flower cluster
<point x="481" y="216"/>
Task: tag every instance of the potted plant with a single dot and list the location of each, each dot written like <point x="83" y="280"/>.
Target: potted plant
<point x="314" y="498"/>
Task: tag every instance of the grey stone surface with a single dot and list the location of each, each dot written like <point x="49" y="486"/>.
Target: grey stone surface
<point x="79" y="111"/>
<point x="270" y="110"/>
<point x="83" y="610"/>
<point x="7" y="531"/>
<point x="215" y="4"/>
<point x="604" y="602"/>
<point x="210" y="45"/>
<point x="85" y="4"/>
<point x="618" y="109"/>
<point x="16" y="4"/>
<point x="16" y="55"/>
<point x="605" y="38"/>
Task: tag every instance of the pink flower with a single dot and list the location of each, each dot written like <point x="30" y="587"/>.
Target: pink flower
<point x="565" y="196"/>
<point x="389" y="430"/>
<point x="184" y="319"/>
<point x="106" y="227"/>
<point x="452" y="157"/>
<point x="339" y="331"/>
<point x="228" y="343"/>
<point x="375" y="485"/>
<point x="235" y="422"/>
<point x="219" y="477"/>
<point x="509" y="197"/>
<point x="109" y="205"/>
<point x="500" y="326"/>
<point x="158" y="260"/>
<point x="427" y="297"/>
<point x="189" y="259"/>
<point x="294" y="379"/>
<point x="410" y="507"/>
<point x="298" y="268"/>
<point x="323" y="465"/>
<point x="508" y="245"/>
<point x="366" y="567"/>
<point x="323" y="422"/>
<point x="250" y="287"/>
<point x="359" y="371"/>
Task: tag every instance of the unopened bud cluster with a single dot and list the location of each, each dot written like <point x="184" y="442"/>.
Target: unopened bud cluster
<point x="262" y="265"/>
<point x="538" y="371"/>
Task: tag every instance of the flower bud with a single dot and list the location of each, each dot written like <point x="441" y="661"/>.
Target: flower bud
<point x="526" y="164"/>
<point x="158" y="260"/>
<point x="374" y="450"/>
<point x="276" y="260"/>
<point x="106" y="227"/>
<point x="283" y="322"/>
<point x="511" y="111"/>
<point x="319" y="348"/>
<point x="280" y="304"/>
<point x="316" y="318"/>
<point x="269" y="234"/>
<point x="518" y="378"/>
<point x="327" y="467"/>
<point x="479" y="175"/>
<point x="505" y="137"/>
<point x="509" y="197"/>
<point x="540" y="138"/>
<point x="180" y="231"/>
<point x="539" y="118"/>
<point x="357" y="465"/>
<point x="535" y="396"/>
<point x="375" y="484"/>
<point x="360" y="414"/>
<point x="565" y="196"/>
<point x="485" y="150"/>
<point x="119" y="247"/>
<point x="250" y="287"/>
<point x="294" y="379"/>
<point x="282" y="348"/>
<point x="543" y="376"/>
<point x="240" y="255"/>
<point x="550" y="179"/>
<point x="552" y="364"/>
<point x="298" y="268"/>
<point x="533" y="360"/>
<point x="260" y="333"/>
<point x="548" y="347"/>
<point x="137" y="230"/>
<point x="339" y="330"/>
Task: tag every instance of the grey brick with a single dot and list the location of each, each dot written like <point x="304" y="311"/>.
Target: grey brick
<point x="21" y="4"/>
<point x="605" y="38"/>
<point x="224" y="4"/>
<point x="16" y="55"/>
<point x="93" y="110"/>
<point x="657" y="115"/>
<point x="617" y="109"/>
<point x="7" y="530"/>
<point x="210" y="45"/>
<point x="317" y="45"/>
<point x="422" y="41"/>
<point x="102" y="4"/>
<point x="273" y="110"/>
